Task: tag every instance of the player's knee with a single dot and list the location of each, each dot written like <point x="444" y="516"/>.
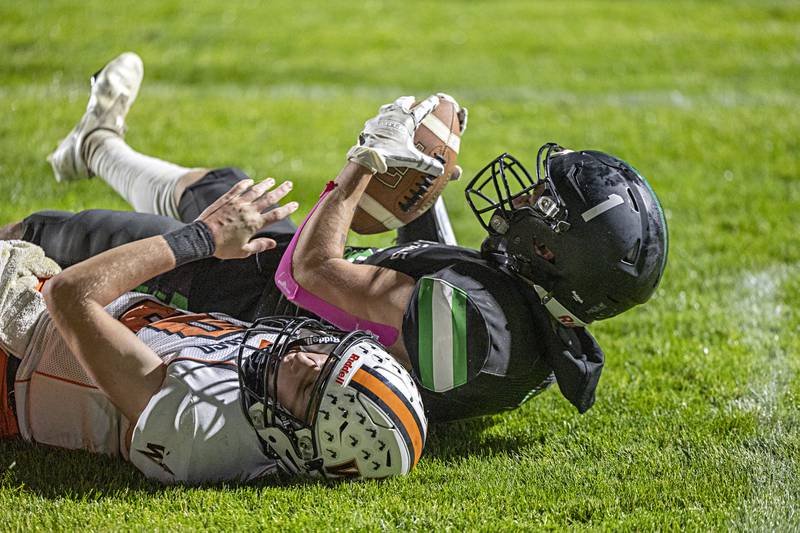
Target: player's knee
<point x="226" y="174"/>
<point x="11" y="231"/>
<point x="202" y="193"/>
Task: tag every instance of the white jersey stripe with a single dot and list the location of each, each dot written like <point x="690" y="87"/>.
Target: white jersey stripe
<point x="378" y="212"/>
<point x="442" y="319"/>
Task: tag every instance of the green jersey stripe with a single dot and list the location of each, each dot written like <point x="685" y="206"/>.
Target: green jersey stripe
<point x="459" y="337"/>
<point x="425" y="335"/>
<point x="358" y="255"/>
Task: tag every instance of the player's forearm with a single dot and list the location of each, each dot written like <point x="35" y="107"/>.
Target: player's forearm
<point x="314" y="275"/>
<point x="105" y="277"/>
<point x="324" y="235"/>
<point x="317" y="259"/>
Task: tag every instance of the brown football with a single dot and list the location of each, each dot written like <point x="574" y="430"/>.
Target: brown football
<point x="400" y="195"/>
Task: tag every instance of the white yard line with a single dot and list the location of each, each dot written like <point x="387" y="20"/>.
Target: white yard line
<point x="758" y="306"/>
<point x="325" y="92"/>
<point x="759" y="311"/>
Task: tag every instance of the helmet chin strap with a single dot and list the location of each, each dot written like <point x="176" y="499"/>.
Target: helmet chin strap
<point x="558" y="311"/>
<point x="563" y="315"/>
<point x="305" y="456"/>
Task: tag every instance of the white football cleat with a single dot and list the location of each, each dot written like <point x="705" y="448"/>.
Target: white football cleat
<point x="114" y="89"/>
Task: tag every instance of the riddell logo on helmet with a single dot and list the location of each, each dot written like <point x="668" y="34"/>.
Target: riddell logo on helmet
<point x="348" y="366"/>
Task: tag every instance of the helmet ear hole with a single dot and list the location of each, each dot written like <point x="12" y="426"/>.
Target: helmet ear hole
<point x="633" y="254"/>
<point x="634" y="205"/>
<point x="544" y="252"/>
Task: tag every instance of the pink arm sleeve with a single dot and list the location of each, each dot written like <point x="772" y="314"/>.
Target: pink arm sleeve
<point x="340" y="318"/>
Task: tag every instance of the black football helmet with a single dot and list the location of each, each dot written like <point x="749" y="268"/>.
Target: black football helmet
<point x="588" y="233"/>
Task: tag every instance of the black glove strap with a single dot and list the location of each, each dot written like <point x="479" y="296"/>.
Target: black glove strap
<point x="190" y="243"/>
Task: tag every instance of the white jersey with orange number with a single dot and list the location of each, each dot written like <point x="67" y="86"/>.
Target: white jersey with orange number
<point x="192" y="430"/>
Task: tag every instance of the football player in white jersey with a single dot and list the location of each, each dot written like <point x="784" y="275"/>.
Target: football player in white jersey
<point x="197" y="397"/>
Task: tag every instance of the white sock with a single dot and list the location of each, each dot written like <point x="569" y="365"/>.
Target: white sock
<point x="147" y="183"/>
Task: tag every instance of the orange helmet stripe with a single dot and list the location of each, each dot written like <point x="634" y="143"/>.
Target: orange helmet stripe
<point x="404" y="416"/>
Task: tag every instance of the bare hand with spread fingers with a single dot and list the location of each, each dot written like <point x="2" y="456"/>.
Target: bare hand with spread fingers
<point x="239" y="213"/>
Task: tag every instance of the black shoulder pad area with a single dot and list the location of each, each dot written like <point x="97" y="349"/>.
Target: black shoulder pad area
<point x="445" y="331"/>
<point x="460" y="322"/>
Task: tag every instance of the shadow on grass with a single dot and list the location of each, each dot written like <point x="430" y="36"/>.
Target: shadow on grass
<point x="75" y="474"/>
<point x="54" y="473"/>
<point x="480" y="437"/>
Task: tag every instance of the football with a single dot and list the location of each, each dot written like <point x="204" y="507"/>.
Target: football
<point x="400" y="195"/>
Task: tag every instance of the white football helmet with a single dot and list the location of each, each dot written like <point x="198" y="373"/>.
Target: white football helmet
<point x="365" y="418"/>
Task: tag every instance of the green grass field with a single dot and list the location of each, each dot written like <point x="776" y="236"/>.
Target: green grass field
<point x="697" y="422"/>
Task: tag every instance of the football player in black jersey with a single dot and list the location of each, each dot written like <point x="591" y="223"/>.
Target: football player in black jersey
<point x="483" y="330"/>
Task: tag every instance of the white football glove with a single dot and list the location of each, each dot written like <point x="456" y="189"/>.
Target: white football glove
<point x="388" y="138"/>
<point x="461" y="112"/>
<point x="21" y="263"/>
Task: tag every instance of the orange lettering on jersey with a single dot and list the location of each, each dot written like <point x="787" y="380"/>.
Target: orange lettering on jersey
<point x="202" y="325"/>
<point x="145" y="313"/>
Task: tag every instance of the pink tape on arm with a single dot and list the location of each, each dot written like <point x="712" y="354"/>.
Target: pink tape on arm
<point x="340" y="318"/>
